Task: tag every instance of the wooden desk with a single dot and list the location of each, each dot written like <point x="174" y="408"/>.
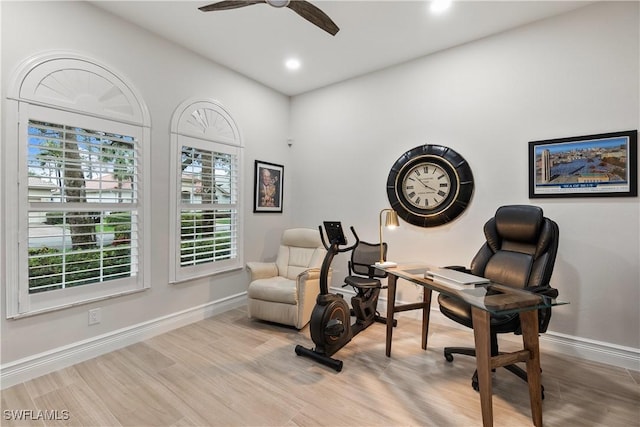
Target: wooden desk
<point x="484" y="300"/>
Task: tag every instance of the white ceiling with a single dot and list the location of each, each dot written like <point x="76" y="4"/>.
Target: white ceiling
<point x="256" y="40"/>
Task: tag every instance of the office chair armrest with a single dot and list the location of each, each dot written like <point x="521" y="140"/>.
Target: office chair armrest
<point x="544" y="314"/>
<point x="458" y="268"/>
<point x="544" y="290"/>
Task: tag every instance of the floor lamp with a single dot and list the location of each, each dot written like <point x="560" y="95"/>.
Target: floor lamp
<point x="391" y="221"/>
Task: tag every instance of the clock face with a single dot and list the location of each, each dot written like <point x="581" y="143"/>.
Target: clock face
<point x="426" y="185"/>
<point x="430" y="185"/>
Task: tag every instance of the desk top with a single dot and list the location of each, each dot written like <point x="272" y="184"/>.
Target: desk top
<point x="492" y="297"/>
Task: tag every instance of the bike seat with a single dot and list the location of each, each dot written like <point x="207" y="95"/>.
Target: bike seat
<point x="362" y="282"/>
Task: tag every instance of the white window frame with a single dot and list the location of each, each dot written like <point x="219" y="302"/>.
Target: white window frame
<point x="207" y="125"/>
<point x="52" y="88"/>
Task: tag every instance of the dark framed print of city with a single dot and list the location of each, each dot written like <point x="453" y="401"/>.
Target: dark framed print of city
<point x="603" y="165"/>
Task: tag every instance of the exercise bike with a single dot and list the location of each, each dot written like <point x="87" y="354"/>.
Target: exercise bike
<point x="330" y="324"/>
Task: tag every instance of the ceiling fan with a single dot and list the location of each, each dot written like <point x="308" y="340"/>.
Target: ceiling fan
<point x="303" y="8"/>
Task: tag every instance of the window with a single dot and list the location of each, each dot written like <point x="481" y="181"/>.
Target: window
<point x="80" y="155"/>
<point x="206" y="169"/>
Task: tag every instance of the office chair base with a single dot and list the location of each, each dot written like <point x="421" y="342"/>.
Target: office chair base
<point x="449" y="352"/>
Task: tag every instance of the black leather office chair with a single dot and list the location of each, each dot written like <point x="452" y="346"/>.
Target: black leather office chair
<point x="365" y="280"/>
<point x="520" y="251"/>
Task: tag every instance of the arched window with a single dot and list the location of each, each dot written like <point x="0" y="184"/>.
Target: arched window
<point x="205" y="189"/>
<point x="79" y="151"/>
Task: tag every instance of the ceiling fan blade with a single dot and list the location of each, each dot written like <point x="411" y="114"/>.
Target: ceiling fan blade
<point x="314" y="15"/>
<point x="229" y="4"/>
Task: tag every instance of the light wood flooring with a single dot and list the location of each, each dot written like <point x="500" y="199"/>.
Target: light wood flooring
<point x="231" y="371"/>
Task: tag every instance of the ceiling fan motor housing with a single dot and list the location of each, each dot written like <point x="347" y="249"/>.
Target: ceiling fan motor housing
<point x="278" y="3"/>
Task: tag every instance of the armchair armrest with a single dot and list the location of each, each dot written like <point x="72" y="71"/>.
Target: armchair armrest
<point x="308" y="287"/>
<point x="307" y="290"/>
<point x="308" y="282"/>
<point x="310" y="274"/>
<point x="262" y="270"/>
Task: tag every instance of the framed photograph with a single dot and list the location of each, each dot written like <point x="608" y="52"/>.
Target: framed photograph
<point x="603" y="165"/>
<point x="267" y="188"/>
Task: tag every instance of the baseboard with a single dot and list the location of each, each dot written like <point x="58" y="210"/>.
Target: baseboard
<point x="31" y="367"/>
<point x="568" y="345"/>
<point x="596" y="351"/>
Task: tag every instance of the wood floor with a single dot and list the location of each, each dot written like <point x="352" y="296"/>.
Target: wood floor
<point x="231" y="371"/>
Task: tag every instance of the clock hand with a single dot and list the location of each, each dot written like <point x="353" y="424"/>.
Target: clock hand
<point x="425" y="185"/>
<point x="418" y="180"/>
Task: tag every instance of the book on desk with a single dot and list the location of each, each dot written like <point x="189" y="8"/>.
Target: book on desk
<point x="455" y="278"/>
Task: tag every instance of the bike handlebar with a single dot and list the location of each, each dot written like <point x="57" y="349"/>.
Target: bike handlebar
<point x="337" y="249"/>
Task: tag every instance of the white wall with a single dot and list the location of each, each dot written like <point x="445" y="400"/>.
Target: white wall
<point x="576" y="74"/>
<point x="165" y="75"/>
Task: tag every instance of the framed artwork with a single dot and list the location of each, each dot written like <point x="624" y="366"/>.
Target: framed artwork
<point x="602" y="165"/>
<point x="267" y="188"/>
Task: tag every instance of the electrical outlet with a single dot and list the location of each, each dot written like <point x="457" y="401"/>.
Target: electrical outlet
<point x="94" y="316"/>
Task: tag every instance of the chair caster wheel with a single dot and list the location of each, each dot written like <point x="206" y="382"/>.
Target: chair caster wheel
<point x="448" y="357"/>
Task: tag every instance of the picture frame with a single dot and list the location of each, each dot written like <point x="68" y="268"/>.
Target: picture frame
<point x="600" y="165"/>
<point x="268" y="187"/>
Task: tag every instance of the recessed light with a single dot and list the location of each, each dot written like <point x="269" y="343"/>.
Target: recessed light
<point x="292" y="64"/>
<point x="439" y="6"/>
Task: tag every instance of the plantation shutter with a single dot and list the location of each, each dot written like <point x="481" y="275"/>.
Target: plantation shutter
<point x="208" y="204"/>
<point x="83" y="219"/>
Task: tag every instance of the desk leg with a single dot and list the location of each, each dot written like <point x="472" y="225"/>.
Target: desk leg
<point x="483" y="362"/>
<point x="425" y="316"/>
<point x="391" y="308"/>
<point x="529" y="324"/>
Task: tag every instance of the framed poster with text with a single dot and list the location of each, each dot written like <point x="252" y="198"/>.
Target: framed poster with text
<point x="603" y="165"/>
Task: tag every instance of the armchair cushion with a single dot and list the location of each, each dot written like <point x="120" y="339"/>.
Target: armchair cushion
<point x="299" y="250"/>
<point x="278" y="288"/>
<point x="273" y="289"/>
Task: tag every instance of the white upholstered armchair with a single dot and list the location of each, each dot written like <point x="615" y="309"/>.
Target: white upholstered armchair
<point x="285" y="291"/>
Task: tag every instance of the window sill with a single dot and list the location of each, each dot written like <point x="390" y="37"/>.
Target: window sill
<point x="66" y="306"/>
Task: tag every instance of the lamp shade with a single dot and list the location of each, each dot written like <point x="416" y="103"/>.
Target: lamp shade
<point x="391" y="220"/>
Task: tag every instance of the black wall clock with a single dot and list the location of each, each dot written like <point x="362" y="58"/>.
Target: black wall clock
<point x="430" y="185"/>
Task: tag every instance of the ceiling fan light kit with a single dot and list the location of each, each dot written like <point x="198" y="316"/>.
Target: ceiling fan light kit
<point x="303" y="8"/>
<point x="278" y="3"/>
